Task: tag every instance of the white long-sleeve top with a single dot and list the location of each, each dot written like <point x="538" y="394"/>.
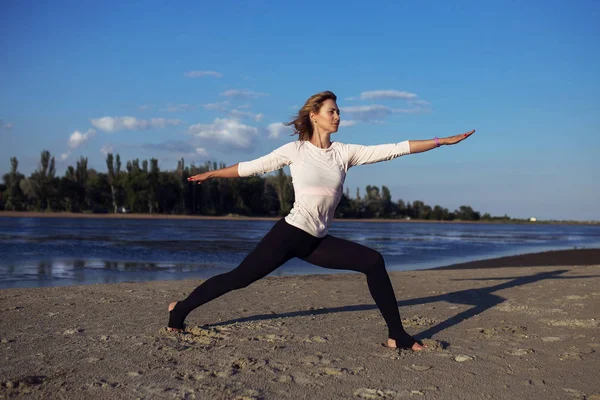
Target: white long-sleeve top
<point x="318" y="176"/>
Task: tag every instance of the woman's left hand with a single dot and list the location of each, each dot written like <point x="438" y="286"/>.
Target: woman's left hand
<point x="457" y="138"/>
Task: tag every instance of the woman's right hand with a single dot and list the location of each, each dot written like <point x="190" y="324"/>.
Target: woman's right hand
<point x="199" y="178"/>
<point x="456" y="138"/>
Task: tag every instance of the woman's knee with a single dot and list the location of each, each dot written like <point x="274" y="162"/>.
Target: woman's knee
<point x="375" y="262"/>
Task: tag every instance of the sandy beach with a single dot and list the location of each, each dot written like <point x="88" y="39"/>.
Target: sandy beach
<point x="524" y="327"/>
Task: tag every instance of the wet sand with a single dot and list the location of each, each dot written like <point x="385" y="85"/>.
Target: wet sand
<point x="524" y="327"/>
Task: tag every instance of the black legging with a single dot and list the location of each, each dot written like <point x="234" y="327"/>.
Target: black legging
<point x="284" y="242"/>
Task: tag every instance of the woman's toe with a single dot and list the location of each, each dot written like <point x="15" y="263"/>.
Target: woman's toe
<point x="418" y="347"/>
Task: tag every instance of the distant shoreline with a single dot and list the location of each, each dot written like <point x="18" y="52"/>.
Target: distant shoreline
<point x="37" y="214"/>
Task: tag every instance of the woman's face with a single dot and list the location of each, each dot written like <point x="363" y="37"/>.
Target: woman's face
<point x="327" y="120"/>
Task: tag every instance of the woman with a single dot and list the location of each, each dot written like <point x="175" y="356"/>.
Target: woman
<point x="318" y="167"/>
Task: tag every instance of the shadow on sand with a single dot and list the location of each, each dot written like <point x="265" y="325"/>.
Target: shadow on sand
<point x="481" y="299"/>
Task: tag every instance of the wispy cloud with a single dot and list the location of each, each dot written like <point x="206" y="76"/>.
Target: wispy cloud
<point x="174" y="149"/>
<point x="78" y="138"/>
<point x="64" y="156"/>
<point x="177" y="107"/>
<point x="376" y="112"/>
<point x="245" y="114"/>
<point x="276" y="129"/>
<point x="366" y="113"/>
<point x="107" y="148"/>
<point x="234" y="113"/>
<point x="420" y="103"/>
<point x="225" y="131"/>
<point x="220" y="106"/>
<point x="200" y="74"/>
<point x="145" y="107"/>
<point x="114" y="124"/>
<point x="348" y="123"/>
<point x="243" y="94"/>
<point x="384" y="94"/>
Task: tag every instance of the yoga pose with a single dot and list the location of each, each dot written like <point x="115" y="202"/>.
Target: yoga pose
<point x="318" y="167"/>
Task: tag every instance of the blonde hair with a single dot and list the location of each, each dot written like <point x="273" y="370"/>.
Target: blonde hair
<point x="301" y="122"/>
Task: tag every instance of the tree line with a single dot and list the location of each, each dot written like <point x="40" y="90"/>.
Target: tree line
<point x="141" y="187"/>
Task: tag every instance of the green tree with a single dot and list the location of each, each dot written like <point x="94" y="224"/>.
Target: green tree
<point x="386" y="202"/>
<point x="13" y="195"/>
<point x="439" y="213"/>
<point x="466" y="213"/>
<point x="114" y="171"/>
<point x="147" y="189"/>
<point x="99" y="192"/>
<point x="136" y="187"/>
<point x="285" y="191"/>
<point x="418" y="209"/>
<point x="401" y="208"/>
<point x="184" y="187"/>
<point x="42" y="183"/>
<point x="153" y="185"/>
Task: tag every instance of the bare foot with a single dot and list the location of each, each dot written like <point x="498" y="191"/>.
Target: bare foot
<point x="391" y="343"/>
<point x="171" y="307"/>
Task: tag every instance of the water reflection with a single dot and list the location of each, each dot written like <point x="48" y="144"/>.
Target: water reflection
<point x="76" y="272"/>
<point x="70" y="272"/>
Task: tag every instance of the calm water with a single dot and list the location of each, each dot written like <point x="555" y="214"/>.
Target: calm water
<point x="51" y="251"/>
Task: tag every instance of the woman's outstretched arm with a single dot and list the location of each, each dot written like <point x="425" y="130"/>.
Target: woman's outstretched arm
<point x="419" y="146"/>
<point x="359" y="155"/>
<point x="277" y="159"/>
<point x="228" y="172"/>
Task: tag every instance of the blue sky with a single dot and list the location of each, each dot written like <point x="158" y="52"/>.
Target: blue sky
<point x="214" y="81"/>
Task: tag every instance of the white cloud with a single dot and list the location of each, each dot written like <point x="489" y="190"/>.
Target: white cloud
<point x="177" y="107"/>
<point x="276" y="129"/>
<point x="422" y="103"/>
<point x="199" y="74"/>
<point x="114" y="124"/>
<point x="348" y="123"/>
<point x="77" y="138"/>
<point x="107" y="148"/>
<point x="173" y="150"/>
<point x="216" y="106"/>
<point x="239" y="114"/>
<point x="243" y="94"/>
<point x="145" y="107"/>
<point x="163" y="123"/>
<point x="245" y="114"/>
<point x="375" y="112"/>
<point x="225" y="131"/>
<point x="366" y="113"/>
<point x="414" y="110"/>
<point x="64" y="156"/>
<point x="384" y="94"/>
